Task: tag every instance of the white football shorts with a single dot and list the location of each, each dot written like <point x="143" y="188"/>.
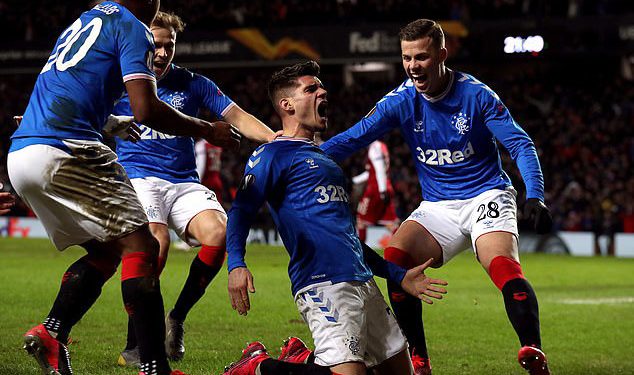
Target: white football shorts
<point x="456" y="224"/>
<point x="82" y="196"/>
<point x="350" y="322"/>
<point x="175" y="204"/>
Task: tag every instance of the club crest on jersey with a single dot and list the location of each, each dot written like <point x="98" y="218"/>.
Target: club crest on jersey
<point x="152" y="212"/>
<point x="461" y="122"/>
<point x="177" y="100"/>
<point x="311" y="163"/>
<point x="418" y="127"/>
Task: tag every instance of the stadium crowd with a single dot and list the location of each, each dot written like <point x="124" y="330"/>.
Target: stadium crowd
<point x="34" y="20"/>
<point x="585" y="138"/>
<point x="584" y="133"/>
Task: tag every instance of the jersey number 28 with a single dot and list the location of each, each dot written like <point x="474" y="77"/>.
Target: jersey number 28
<point x="69" y="37"/>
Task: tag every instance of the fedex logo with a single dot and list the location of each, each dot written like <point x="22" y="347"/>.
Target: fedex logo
<point x="444" y="156"/>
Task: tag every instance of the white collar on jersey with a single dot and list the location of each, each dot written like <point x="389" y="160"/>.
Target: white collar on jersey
<point x="442" y="95"/>
<point x="294" y="139"/>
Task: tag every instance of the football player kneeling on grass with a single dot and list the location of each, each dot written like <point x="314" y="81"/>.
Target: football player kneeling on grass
<point x="330" y="269"/>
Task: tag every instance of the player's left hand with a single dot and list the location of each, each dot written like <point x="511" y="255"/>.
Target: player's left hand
<point x="422" y="287"/>
<point x="240" y="284"/>
<point x="537" y="212"/>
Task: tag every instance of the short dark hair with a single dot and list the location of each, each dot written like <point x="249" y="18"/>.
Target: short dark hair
<point x="168" y="20"/>
<point x="422" y="28"/>
<point x="287" y="77"/>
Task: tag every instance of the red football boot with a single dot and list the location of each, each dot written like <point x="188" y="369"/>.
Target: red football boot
<point x="533" y="360"/>
<point x="294" y="350"/>
<point x="422" y="366"/>
<point x="51" y="355"/>
<point x="252" y="355"/>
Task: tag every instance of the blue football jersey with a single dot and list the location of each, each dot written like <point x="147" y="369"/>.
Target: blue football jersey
<point x="167" y="156"/>
<point x="452" y="138"/>
<point x="305" y="193"/>
<point x="76" y="90"/>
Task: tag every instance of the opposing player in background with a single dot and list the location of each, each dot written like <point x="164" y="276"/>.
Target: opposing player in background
<point x="162" y="169"/>
<point x="209" y="165"/>
<point x="376" y="206"/>
<point x="74" y="184"/>
<point x="352" y="327"/>
<point x="451" y="122"/>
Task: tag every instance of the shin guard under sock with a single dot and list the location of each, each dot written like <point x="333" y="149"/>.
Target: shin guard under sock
<point x="203" y="269"/>
<point x="142" y="298"/>
<point x="523" y="311"/>
<point x="520" y="300"/>
<point x="80" y="288"/>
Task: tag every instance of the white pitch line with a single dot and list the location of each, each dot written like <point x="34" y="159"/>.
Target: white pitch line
<point x="598" y="301"/>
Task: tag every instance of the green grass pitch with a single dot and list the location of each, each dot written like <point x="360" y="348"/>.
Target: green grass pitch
<point x="586" y="306"/>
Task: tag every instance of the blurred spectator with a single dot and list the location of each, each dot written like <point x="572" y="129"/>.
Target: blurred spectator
<point x="583" y="128"/>
<point x="35" y="20"/>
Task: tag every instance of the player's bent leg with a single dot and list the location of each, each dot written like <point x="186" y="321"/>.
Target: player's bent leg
<point x="208" y="227"/>
<point x="81" y="286"/>
<point x="395" y="365"/>
<point x="142" y="297"/>
<point x="498" y="254"/>
<point x="162" y="235"/>
<point x="130" y="354"/>
<point x="411" y="245"/>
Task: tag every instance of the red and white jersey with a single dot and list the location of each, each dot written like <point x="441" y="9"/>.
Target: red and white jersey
<point x="208" y="164"/>
<point x="378" y="166"/>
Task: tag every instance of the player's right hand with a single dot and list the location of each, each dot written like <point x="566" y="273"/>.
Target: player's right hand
<point x="536" y="211"/>
<point x="122" y="127"/>
<point x="17" y="120"/>
<point x="240" y="284"/>
<point x="224" y="135"/>
<point x="417" y="284"/>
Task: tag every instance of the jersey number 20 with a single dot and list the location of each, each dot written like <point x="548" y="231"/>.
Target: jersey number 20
<point x="69" y="37"/>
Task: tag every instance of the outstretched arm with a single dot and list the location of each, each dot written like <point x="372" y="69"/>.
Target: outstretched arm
<point x="149" y="110"/>
<point x="413" y="281"/>
<point x="249" y="125"/>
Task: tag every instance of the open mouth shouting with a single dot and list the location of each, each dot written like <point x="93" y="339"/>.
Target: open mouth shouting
<point x="419" y="79"/>
<point x="322" y="110"/>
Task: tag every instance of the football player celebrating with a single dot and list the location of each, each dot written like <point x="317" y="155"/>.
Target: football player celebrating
<point x="77" y="189"/>
<point x="352" y="327"/>
<point x="451" y="122"/>
<point x="162" y="169"/>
